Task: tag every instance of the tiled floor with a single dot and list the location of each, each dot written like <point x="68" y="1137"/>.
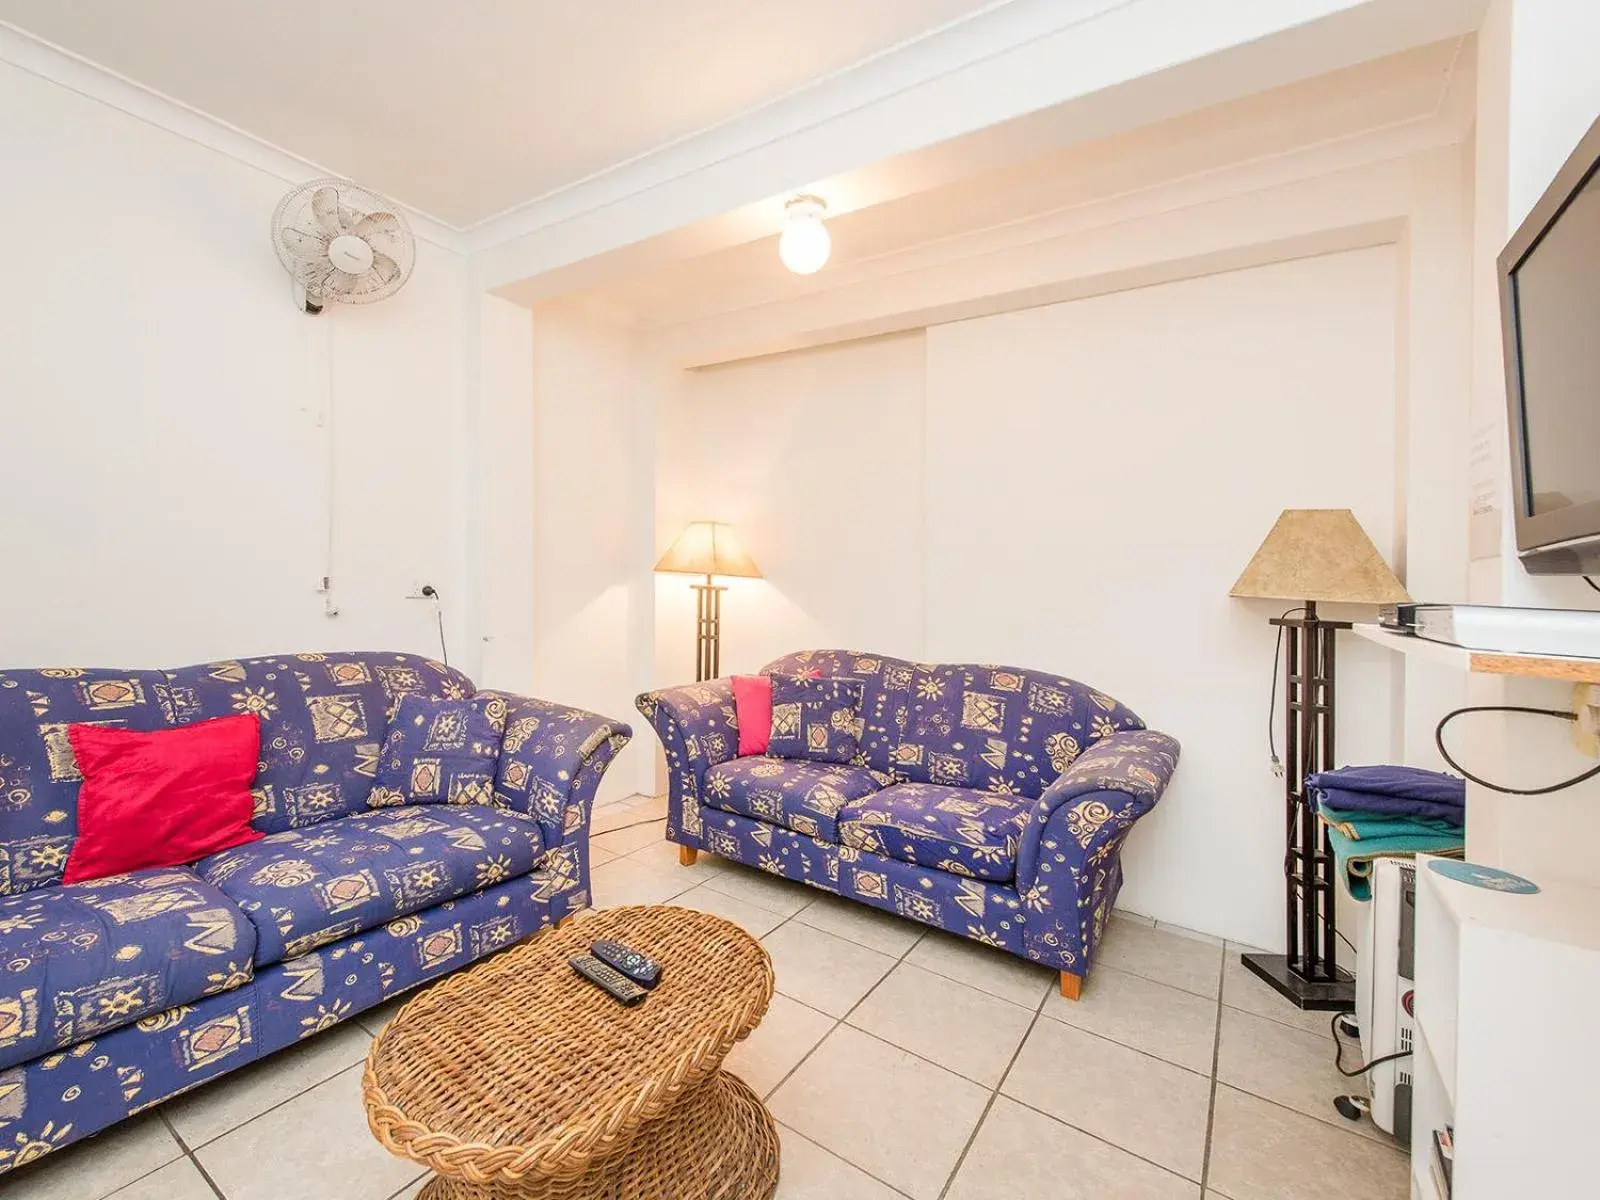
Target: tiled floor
<point x="898" y="1061"/>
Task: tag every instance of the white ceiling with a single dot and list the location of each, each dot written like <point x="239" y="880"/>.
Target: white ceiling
<point x="464" y="111"/>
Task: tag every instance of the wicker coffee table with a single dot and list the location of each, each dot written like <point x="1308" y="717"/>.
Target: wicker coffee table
<point x="517" y="1079"/>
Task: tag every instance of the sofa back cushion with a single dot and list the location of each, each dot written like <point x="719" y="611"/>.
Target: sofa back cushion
<point x="990" y="728"/>
<point x="39" y="777"/>
<point x="323" y="722"/>
<point x="323" y="719"/>
<point x="885" y="694"/>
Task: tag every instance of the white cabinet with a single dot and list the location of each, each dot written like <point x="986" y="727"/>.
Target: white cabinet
<point x="1508" y="1046"/>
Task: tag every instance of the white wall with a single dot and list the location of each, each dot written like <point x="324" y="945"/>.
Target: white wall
<point x="165" y="466"/>
<point x="816" y="459"/>
<point x="593" y="477"/>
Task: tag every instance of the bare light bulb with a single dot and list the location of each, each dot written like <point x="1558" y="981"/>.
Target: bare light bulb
<point x="804" y="244"/>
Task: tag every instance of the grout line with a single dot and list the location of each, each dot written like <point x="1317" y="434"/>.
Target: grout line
<point x="355" y="1066"/>
<point x="189" y="1154"/>
<point x="841" y="1158"/>
<point x="403" y="1188"/>
<point x="994" y="1095"/>
<point x="1216" y="1058"/>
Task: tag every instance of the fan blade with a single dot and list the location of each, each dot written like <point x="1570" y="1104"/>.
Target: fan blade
<point x="383" y="272"/>
<point x="340" y="283"/>
<point x="325" y="207"/>
<point x="303" y="243"/>
<point x="381" y="230"/>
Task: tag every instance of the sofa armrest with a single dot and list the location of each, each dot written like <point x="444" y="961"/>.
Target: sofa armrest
<point x="698" y="729"/>
<point x="1067" y="868"/>
<point x="551" y="761"/>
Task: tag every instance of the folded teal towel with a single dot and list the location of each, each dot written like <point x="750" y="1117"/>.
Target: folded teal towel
<point x="1354" y="856"/>
<point x="1359" y="826"/>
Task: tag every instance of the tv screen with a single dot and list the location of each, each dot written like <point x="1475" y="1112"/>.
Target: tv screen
<point x="1550" y="309"/>
<point x="1557" y="290"/>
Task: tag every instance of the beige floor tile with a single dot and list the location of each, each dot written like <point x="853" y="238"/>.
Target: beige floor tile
<point x="967" y="1031"/>
<point x="1146" y="1106"/>
<point x="1290" y="1067"/>
<point x="752" y="918"/>
<point x="628" y="881"/>
<point x="785" y="1036"/>
<point x="870" y="927"/>
<point x="1019" y="1152"/>
<point x="413" y="1190"/>
<point x="1242" y="988"/>
<point x="811" y="1173"/>
<point x="179" y="1180"/>
<point x="629" y="838"/>
<point x="903" y="1120"/>
<point x="664" y="854"/>
<point x="1159" y="954"/>
<point x="607" y="817"/>
<point x="97" y="1165"/>
<point x="649" y="807"/>
<point x="984" y="967"/>
<point x="318" y="1146"/>
<point x="599" y="854"/>
<point x="782" y="896"/>
<point x="206" y="1114"/>
<point x="1165" y="1021"/>
<point x="823" y="971"/>
<point x="1260" y="1151"/>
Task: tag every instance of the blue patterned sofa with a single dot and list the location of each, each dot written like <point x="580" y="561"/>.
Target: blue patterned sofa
<point x="119" y="993"/>
<point x="988" y="801"/>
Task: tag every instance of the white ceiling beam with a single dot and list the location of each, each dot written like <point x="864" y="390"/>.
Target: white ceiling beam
<point x="1101" y="65"/>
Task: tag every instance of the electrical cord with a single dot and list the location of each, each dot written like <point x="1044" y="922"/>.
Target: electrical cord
<point x="1272" y="707"/>
<point x="1338" y="1051"/>
<point x="1438" y="740"/>
<point x="432" y="593"/>
<point x="1587" y="579"/>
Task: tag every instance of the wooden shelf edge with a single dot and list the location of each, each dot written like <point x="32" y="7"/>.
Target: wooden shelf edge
<point x="1485" y="662"/>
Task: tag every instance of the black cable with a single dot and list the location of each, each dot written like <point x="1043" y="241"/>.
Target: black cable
<point x="1338" y="1051"/>
<point x="432" y="593"/>
<point x="1590" y="582"/>
<point x="1438" y="740"/>
<point x="1272" y="708"/>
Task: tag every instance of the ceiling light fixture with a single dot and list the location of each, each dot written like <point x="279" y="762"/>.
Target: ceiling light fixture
<point x="804" y="244"/>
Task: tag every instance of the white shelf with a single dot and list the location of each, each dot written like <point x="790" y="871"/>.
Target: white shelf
<point x="1559" y="912"/>
<point x="1566" y="668"/>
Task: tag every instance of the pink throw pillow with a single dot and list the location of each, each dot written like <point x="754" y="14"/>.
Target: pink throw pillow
<point x="752" y="707"/>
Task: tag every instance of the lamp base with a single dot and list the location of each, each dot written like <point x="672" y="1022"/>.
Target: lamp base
<point x="1336" y="996"/>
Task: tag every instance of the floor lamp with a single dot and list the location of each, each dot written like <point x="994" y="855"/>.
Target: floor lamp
<point x="1312" y="555"/>
<point x="708" y="548"/>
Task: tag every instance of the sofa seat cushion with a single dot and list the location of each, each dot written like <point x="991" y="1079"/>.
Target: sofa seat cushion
<point x="803" y="796"/>
<point x="950" y="829"/>
<point x="85" y="958"/>
<point x="304" y="888"/>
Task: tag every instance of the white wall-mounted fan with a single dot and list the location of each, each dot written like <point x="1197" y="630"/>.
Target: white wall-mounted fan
<point x="342" y="244"/>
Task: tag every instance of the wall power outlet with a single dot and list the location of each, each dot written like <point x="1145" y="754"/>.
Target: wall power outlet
<point x="1586" y="729"/>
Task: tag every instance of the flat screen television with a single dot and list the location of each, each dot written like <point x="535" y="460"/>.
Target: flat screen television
<point x="1550" y="314"/>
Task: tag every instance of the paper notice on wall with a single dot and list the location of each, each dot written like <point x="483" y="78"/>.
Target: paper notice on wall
<point x="1483" y="490"/>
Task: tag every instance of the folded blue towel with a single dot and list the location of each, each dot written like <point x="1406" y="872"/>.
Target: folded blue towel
<point x="1392" y="791"/>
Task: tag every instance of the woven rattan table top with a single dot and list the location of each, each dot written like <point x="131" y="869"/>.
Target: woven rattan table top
<point x="518" y="1067"/>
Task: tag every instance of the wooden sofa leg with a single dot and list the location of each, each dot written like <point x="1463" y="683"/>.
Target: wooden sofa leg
<point x="687" y="855"/>
<point x="1071" y="985"/>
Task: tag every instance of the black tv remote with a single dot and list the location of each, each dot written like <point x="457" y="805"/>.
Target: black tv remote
<point x="643" y="970"/>
<point x="623" y="990"/>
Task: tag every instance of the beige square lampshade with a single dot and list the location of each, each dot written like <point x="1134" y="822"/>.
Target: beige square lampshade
<point x="1319" y="554"/>
<point x="708" y="548"/>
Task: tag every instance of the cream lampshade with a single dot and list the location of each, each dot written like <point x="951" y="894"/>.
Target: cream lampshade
<point x="1319" y="554"/>
<point x="708" y="548"/>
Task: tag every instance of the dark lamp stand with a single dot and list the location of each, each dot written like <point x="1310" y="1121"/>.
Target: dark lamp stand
<point x="1307" y="974"/>
<point x="708" y="629"/>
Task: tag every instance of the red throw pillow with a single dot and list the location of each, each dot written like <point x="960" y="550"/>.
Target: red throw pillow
<point x="162" y="799"/>
<point x="752" y="706"/>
